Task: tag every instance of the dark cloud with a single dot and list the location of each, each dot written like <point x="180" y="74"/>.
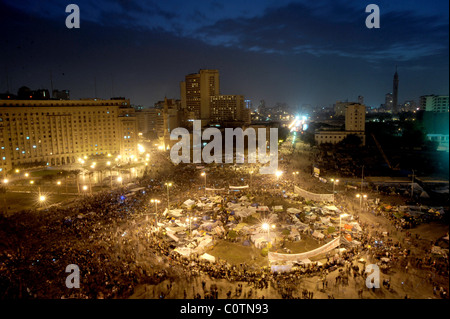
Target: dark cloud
<point x="300" y="54"/>
<point x="338" y="30"/>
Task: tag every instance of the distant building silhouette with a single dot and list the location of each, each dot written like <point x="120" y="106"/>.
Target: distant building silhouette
<point x="395" y="94"/>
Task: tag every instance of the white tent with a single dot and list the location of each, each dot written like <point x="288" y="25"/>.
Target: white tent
<point x="172" y="236"/>
<point x="189" y="203"/>
<point x="173" y="212"/>
<point x="281" y="268"/>
<point x="208" y="257"/>
<point x="278" y="208"/>
<point x="318" y="235"/>
<point x="184" y="251"/>
<point x="205" y="242"/>
<point x="356" y="226"/>
<point x="293" y="211"/>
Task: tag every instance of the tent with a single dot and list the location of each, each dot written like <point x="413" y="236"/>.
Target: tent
<point x="208" y="257"/>
<point x="239" y="227"/>
<point x="293" y="211"/>
<point x="281" y="268"/>
<point x="356" y="226"/>
<point x="189" y="203"/>
<point x="184" y="251"/>
<point x="424" y="195"/>
<point x="278" y="208"/>
<point x="318" y="235"/>
<point x="174" y="212"/>
<point x="331" y="208"/>
<point x="175" y="238"/>
<point x="305" y="261"/>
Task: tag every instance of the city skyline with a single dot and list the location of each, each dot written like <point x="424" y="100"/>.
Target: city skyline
<point x="255" y="45"/>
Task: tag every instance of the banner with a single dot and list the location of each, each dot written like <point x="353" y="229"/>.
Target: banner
<point x="315" y="197"/>
<point x="276" y="257"/>
<point x="238" y="187"/>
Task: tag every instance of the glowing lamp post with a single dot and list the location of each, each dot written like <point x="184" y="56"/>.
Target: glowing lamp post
<point x="278" y="174"/>
<point x="361" y="196"/>
<point x="190" y="219"/>
<point x="168" y="200"/>
<point x="266" y="227"/>
<point x="156" y="201"/>
<point x="335" y="181"/>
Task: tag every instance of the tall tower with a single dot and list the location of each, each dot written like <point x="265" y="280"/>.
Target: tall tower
<point x="395" y="93"/>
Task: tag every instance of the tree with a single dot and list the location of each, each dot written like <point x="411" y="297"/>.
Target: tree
<point x="264" y="252"/>
<point x="308" y="137"/>
<point x="351" y="140"/>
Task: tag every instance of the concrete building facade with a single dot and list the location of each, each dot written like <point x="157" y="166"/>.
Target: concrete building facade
<point x="58" y="132"/>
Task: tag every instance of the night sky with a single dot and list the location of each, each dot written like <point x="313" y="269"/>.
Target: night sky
<point x="298" y="52"/>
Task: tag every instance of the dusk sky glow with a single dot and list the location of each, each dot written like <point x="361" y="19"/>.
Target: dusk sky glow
<point x="298" y="52"/>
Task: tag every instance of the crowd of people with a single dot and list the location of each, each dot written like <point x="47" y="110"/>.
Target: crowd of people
<point x="110" y="236"/>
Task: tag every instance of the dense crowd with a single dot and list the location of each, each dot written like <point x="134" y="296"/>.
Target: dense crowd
<point x="110" y="237"/>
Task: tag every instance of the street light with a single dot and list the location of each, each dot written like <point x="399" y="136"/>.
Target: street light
<point x="266" y="227"/>
<point x="168" y="201"/>
<point x="335" y="181"/>
<point x="361" y="196"/>
<point x="156" y="201"/>
<point x="190" y="219"/>
<point x="278" y="174"/>
<point x="204" y="174"/>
